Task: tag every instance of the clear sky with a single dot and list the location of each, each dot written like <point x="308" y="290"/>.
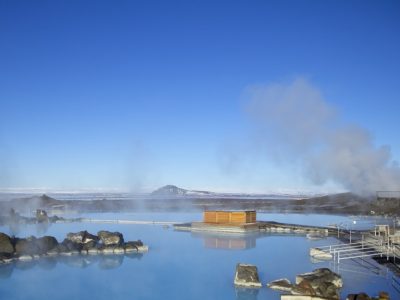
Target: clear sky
<point x="137" y="94"/>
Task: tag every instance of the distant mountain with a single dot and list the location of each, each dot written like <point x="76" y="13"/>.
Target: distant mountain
<point x="169" y="190"/>
<point x="173" y="190"/>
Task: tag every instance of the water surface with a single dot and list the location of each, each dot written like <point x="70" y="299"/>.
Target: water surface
<point x="179" y="265"/>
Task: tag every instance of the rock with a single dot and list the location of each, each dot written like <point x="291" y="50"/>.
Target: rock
<point x="6" y="245"/>
<point x="76" y="237"/>
<point x="321" y="275"/>
<point x="360" y="296"/>
<point x="119" y="250"/>
<point x="323" y="282"/>
<point x="110" y="238"/>
<point x="46" y="243"/>
<point x="53" y="252"/>
<point x="71" y="246"/>
<point x="247" y="276"/>
<point x="27" y="246"/>
<point x="82" y="237"/>
<point x="41" y="216"/>
<point x="384" y="296"/>
<point x="61" y="248"/>
<point x="107" y="250"/>
<point x="93" y="251"/>
<point x="5" y="257"/>
<point x="133" y="246"/>
<point x="89" y="245"/>
<point x="303" y="288"/>
<point x="283" y="285"/>
<point x="320" y="254"/>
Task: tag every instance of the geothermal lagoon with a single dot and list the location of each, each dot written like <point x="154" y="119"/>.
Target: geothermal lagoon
<point x="182" y="265"/>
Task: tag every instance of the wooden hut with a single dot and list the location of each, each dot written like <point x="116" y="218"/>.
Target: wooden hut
<point x="229" y="217"/>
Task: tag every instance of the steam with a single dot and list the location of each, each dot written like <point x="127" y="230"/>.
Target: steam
<point x="298" y="123"/>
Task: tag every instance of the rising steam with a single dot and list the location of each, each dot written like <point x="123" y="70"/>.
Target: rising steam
<point x="299" y="123"/>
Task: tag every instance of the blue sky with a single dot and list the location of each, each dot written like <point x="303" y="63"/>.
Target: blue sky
<point x="137" y="94"/>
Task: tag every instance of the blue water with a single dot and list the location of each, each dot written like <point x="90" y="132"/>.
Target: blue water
<point x="179" y="265"/>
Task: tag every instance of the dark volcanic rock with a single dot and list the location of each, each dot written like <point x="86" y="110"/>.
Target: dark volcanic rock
<point x="280" y="285"/>
<point x="27" y="246"/>
<point x="82" y="237"/>
<point x="71" y="246"/>
<point x="6" y="245"/>
<point x="321" y="282"/>
<point x="247" y="275"/>
<point x="132" y="246"/>
<point x="46" y="243"/>
<point x="89" y="245"/>
<point x="110" y="238"/>
<point x="41" y="216"/>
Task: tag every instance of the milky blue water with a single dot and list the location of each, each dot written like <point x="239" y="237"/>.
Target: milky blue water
<point x="179" y="265"/>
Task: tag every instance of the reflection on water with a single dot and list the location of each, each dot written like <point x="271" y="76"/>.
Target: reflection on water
<point x="228" y="241"/>
<point x="179" y="265"/>
<point x="246" y="293"/>
<point x="103" y="262"/>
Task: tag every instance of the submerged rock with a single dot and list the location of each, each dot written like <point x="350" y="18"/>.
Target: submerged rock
<point x="247" y="276"/>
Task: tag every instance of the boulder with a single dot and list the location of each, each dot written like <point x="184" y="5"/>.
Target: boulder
<point x="108" y="238"/>
<point x="72" y="246"/>
<point x="6" y="246"/>
<point x="46" y="243"/>
<point x="76" y="237"/>
<point x="82" y="237"/>
<point x="384" y="296"/>
<point x="321" y="275"/>
<point x="89" y="245"/>
<point x="41" y="216"/>
<point x="247" y="276"/>
<point x="323" y="282"/>
<point x="27" y="246"/>
<point x="133" y="246"/>
<point x="283" y="285"/>
<point x="303" y="288"/>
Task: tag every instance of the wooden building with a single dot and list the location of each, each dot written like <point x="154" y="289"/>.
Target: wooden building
<point x="229" y="217"/>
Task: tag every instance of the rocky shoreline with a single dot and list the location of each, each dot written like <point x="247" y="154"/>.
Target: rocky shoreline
<point x="78" y="243"/>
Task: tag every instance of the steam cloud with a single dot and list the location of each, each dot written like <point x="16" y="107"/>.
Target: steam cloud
<point x="297" y="122"/>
